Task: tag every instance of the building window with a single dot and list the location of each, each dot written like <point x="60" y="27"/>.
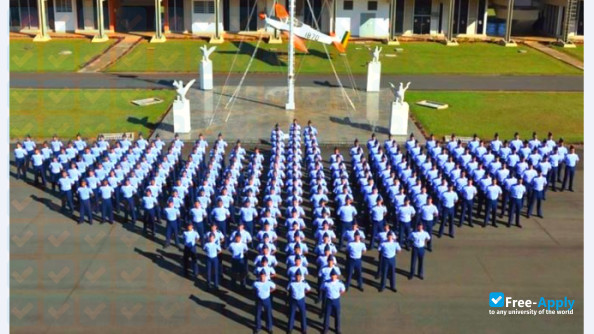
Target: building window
<point x="371" y="5"/>
<point x="347" y="5"/>
<point x="64" y="6"/>
<point x="203" y="7"/>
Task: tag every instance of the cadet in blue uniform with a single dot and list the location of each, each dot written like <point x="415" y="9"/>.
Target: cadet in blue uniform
<point x="128" y="192"/>
<point x="106" y="192"/>
<point x="388" y="250"/>
<point x="149" y="204"/>
<point x="191" y="238"/>
<point x="347" y="214"/>
<point x="198" y="215"/>
<point x="448" y="201"/>
<point x="84" y="200"/>
<point x="263" y="288"/>
<point x="516" y="195"/>
<point x="419" y="239"/>
<point x="66" y="191"/>
<point x="333" y="290"/>
<point x="238" y="249"/>
<point x="38" y="167"/>
<point x="220" y="215"/>
<point x="538" y="186"/>
<point x="212" y="250"/>
<point x="20" y="154"/>
<point x="297" y="290"/>
<point x="355" y="250"/>
<point x="469" y="192"/>
<point x="429" y="214"/>
<point x="378" y="214"/>
<point x="493" y="194"/>
<point x="172" y="216"/>
<point x="571" y="160"/>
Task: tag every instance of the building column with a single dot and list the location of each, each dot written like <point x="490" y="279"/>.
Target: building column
<point x="158" y="37"/>
<point x="102" y="36"/>
<point x="42" y="35"/>
<point x="507" y="41"/>
<point x="166" y="16"/>
<point x="112" y="14"/>
<point x="450" y="40"/>
<point x="392" y="39"/>
<point x="217" y="38"/>
<point x="334" y="5"/>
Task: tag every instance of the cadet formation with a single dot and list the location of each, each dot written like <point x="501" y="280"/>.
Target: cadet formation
<point x="292" y="203"/>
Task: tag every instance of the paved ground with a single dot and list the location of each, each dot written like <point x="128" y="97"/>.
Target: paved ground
<point x="255" y="110"/>
<point x="556" y="54"/>
<point x="110" y="278"/>
<point x="419" y="82"/>
<point x="112" y="54"/>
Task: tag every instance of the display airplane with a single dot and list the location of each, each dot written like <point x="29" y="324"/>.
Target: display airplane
<point x="301" y="30"/>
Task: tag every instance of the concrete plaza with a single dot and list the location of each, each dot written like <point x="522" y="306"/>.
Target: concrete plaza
<point x="249" y="113"/>
<point x="106" y="278"/>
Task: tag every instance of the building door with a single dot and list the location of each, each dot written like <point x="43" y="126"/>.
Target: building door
<point x="481" y="16"/>
<point x="422" y="17"/>
<point x="15" y="15"/>
<point x="367" y="26"/>
<point x="135" y="15"/>
<point x="80" y="15"/>
<point x="580" y="19"/>
<point x="176" y="15"/>
<point x="316" y="7"/>
<point x="460" y="16"/>
<point x="29" y="15"/>
<point x="248" y="22"/>
<point x="226" y="6"/>
<point x="51" y="18"/>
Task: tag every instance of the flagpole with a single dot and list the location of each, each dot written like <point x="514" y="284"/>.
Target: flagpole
<point x="291" y="75"/>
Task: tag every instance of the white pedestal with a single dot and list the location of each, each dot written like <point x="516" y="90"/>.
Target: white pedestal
<point x="206" y="75"/>
<point x="374" y="72"/>
<point x="181" y="116"/>
<point x="399" y="119"/>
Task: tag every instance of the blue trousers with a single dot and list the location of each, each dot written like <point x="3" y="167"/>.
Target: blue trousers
<point x="39" y="173"/>
<point x="332" y="305"/>
<point x="190" y="255"/>
<point x="222" y="226"/>
<point x="417" y="254"/>
<point x="466" y="211"/>
<point x="354" y="265"/>
<point x="428" y="225"/>
<point x="552" y="178"/>
<point x="171" y="228"/>
<point x="490" y="212"/>
<point x="537" y="196"/>
<point x="149" y="220"/>
<point x="199" y="227"/>
<point x="344" y="226"/>
<point x="294" y="305"/>
<point x="67" y="200"/>
<point x="404" y="228"/>
<point x="515" y="206"/>
<point x="266" y="306"/>
<point x="212" y="271"/>
<point x="239" y="267"/>
<point x="106" y="209"/>
<point x="21" y="168"/>
<point x="130" y="209"/>
<point x="569" y="174"/>
<point x="388" y="266"/>
<point x="377" y="229"/>
<point x="447" y="216"/>
<point x="85" y="209"/>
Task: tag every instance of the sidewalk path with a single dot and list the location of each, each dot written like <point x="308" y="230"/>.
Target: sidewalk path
<point x="556" y="54"/>
<point x="571" y="83"/>
<point x="112" y="54"/>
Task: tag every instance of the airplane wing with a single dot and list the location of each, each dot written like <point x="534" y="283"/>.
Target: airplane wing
<point x="298" y="43"/>
<point x="280" y="11"/>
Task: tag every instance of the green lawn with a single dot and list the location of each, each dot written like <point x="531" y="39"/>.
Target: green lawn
<point x="485" y="113"/>
<point x="577" y="52"/>
<point x="41" y="113"/>
<point x="416" y="58"/>
<point x="26" y="56"/>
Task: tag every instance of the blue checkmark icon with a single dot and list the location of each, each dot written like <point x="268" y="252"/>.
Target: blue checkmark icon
<point x="496" y="299"/>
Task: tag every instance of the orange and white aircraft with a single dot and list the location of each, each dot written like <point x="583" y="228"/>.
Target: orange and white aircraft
<point x="301" y="30"/>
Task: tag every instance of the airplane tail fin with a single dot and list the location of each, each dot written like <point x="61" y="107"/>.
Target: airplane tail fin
<point x="342" y="44"/>
<point x="280" y="11"/>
